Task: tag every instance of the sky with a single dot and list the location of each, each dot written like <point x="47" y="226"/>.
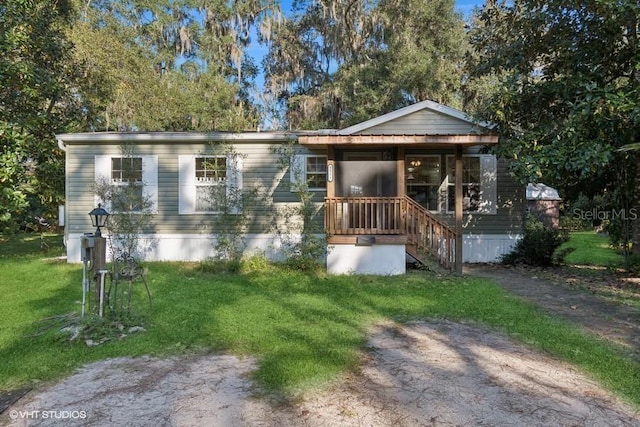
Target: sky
<point x="463" y="6"/>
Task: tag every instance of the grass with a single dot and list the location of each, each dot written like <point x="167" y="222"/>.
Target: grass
<point x="592" y="248"/>
<point x="304" y="329"/>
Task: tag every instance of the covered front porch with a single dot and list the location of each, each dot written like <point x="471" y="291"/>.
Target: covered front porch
<point x="368" y="209"/>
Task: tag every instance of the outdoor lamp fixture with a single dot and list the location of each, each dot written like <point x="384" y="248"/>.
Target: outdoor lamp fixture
<point x="99" y="218"/>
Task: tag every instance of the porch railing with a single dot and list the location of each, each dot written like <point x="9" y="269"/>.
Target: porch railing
<point x="426" y="233"/>
<point x="392" y="215"/>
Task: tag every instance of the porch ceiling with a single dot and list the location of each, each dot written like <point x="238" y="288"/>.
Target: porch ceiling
<point x="431" y="141"/>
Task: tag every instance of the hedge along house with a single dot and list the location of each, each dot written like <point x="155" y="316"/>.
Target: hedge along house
<point x="414" y="182"/>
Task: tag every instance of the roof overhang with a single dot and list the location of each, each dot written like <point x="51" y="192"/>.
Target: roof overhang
<point x="435" y="141"/>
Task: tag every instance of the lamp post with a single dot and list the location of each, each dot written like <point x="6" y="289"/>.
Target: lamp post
<point x="99" y="218"/>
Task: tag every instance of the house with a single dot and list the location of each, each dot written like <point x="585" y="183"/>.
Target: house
<point x="414" y="182"/>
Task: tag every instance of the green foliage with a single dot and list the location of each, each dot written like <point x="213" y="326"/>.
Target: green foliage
<point x="306" y="252"/>
<point x="335" y="63"/>
<point x="592" y="248"/>
<point x="537" y="246"/>
<point x="36" y="100"/>
<point x="303" y="329"/>
<point x="169" y="65"/>
<point x="564" y="87"/>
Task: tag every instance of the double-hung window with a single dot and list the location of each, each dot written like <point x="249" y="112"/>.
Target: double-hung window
<point x="478" y="184"/>
<point x="210" y="184"/>
<point x="133" y="182"/>
<point x="310" y="169"/>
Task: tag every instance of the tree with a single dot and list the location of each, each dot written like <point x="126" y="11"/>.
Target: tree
<point x="170" y="64"/>
<point x="35" y="102"/>
<point x="565" y="95"/>
<point x="338" y="62"/>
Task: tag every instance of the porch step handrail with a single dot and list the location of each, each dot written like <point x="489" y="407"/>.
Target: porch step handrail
<point x="426" y="234"/>
<point x="429" y="234"/>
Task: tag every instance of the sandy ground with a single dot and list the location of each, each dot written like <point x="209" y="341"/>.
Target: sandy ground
<point x="419" y="374"/>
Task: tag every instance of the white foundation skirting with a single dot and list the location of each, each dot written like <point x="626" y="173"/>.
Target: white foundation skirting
<point x="383" y="260"/>
<point x="191" y="247"/>
<point x="477" y="248"/>
<point x="341" y="259"/>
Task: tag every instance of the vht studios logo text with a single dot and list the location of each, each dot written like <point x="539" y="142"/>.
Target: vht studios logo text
<point x="596" y="214"/>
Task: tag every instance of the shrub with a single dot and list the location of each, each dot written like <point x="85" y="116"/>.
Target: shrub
<point x="538" y="245"/>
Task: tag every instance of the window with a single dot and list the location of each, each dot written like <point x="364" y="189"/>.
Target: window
<point x="135" y="179"/>
<point x="210" y="184"/>
<point x="424" y="179"/>
<point x="470" y="184"/>
<point x="311" y="169"/>
<point x="478" y="184"/>
<point x="126" y="176"/>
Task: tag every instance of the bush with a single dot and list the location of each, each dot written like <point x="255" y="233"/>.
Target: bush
<point x="538" y="245"/>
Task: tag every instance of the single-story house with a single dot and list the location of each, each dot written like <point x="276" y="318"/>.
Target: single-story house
<point x="414" y="182"/>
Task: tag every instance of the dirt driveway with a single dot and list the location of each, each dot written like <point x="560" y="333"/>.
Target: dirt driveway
<point x="424" y="373"/>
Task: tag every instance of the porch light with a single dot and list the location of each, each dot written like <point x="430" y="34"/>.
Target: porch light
<point x="99" y="218"/>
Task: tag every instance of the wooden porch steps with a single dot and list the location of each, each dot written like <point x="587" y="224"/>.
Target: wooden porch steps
<point x="391" y="220"/>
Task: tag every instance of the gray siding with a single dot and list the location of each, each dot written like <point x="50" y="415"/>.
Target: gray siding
<point x="262" y="175"/>
<point x="423" y="122"/>
<point x="511" y="208"/>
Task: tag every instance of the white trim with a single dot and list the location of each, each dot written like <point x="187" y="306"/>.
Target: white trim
<point x="187" y="182"/>
<point x="424" y="105"/>
<point x="175" y="137"/>
<point x="102" y="173"/>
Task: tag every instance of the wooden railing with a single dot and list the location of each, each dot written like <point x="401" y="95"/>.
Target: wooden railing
<point x="363" y="215"/>
<point x="429" y="234"/>
<point x="392" y="215"/>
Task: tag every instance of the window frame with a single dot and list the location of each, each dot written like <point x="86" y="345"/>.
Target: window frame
<point x="487" y="184"/>
<point x="210" y="184"/>
<point x="187" y="183"/>
<point x="103" y="172"/>
<point x="299" y="171"/>
<point x="438" y="185"/>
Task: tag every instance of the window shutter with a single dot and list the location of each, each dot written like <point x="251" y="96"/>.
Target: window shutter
<point x="102" y="176"/>
<point x="186" y="184"/>
<point x="150" y="181"/>
<point x="297" y="171"/>
<point x="488" y="184"/>
<point x="234" y="182"/>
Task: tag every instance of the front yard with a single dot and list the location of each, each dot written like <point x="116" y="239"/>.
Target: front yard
<point x="304" y="329"/>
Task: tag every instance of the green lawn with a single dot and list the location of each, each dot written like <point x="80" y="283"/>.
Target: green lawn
<point x="592" y="248"/>
<point x="303" y="328"/>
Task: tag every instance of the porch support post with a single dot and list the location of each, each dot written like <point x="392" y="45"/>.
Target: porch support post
<point x="458" y="210"/>
<point x="402" y="188"/>
<point x="331" y="166"/>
